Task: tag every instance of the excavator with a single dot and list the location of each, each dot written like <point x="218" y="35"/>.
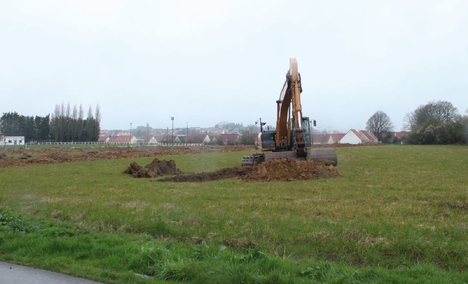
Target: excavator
<point x="292" y="137"/>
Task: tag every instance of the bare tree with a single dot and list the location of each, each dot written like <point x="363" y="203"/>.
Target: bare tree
<point x="409" y="122"/>
<point x="379" y="122"/>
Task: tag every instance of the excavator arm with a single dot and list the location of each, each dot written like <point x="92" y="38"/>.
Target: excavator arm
<point x="290" y="95"/>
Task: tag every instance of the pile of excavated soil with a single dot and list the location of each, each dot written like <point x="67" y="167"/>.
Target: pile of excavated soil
<point x="291" y="169"/>
<point x="281" y="169"/>
<point x="155" y="168"/>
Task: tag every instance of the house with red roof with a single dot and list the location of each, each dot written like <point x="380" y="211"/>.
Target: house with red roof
<point x="370" y="137"/>
<point x="165" y="139"/>
<point x="122" y="139"/>
<point x="335" y="138"/>
<point x="354" y="136"/>
<point x="103" y="139"/>
<point x="327" y="138"/>
<point x="149" y="140"/>
<point x="320" y="138"/>
<point x="198" y="138"/>
<point x="229" y="139"/>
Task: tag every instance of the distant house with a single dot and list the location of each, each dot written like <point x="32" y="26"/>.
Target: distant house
<point x="149" y="140"/>
<point x="198" y="138"/>
<point x="103" y="139"/>
<point x="122" y="139"/>
<point x="320" y="138"/>
<point x="327" y="138"/>
<point x="167" y="139"/>
<point x="369" y="137"/>
<point x="353" y="137"/>
<point x="13" y="140"/>
<point x="161" y="138"/>
<point x="336" y="138"/>
<point x="213" y="138"/>
<point x="229" y="139"/>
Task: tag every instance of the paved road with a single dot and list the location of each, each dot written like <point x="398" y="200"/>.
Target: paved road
<point x="17" y="274"/>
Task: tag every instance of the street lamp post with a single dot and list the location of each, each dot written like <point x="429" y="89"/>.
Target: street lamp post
<point x="172" y="118"/>
<point x="261" y="124"/>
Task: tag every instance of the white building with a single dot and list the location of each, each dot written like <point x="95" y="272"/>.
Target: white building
<point x="13" y="140"/>
<point x="353" y="137"/>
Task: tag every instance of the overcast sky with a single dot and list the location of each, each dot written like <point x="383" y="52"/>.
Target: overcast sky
<point x="208" y="61"/>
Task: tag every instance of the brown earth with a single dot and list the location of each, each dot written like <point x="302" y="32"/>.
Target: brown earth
<point x="278" y="169"/>
<point x="53" y="155"/>
<point x="281" y="169"/>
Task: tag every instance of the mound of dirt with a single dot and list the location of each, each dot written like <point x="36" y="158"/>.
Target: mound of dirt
<point x="281" y="169"/>
<point x="288" y="169"/>
<point x="155" y="168"/>
<point x="59" y="157"/>
<point x="25" y="156"/>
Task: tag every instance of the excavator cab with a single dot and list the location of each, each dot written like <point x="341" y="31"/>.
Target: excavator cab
<point x="306" y="127"/>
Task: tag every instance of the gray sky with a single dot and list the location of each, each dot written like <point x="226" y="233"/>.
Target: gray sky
<point x="208" y="61"/>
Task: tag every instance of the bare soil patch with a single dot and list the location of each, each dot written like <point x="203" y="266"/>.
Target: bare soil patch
<point x="278" y="169"/>
<point x="281" y="169"/>
<point x="53" y="155"/>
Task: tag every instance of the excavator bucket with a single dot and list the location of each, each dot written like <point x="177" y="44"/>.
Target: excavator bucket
<point x="284" y="154"/>
<point x="325" y="155"/>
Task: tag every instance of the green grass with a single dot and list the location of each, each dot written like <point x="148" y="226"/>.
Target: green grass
<point x="398" y="214"/>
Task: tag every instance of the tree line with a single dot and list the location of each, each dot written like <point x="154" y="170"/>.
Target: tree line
<point x="437" y="122"/>
<point x="69" y="125"/>
<point x="33" y="128"/>
<point x="65" y="124"/>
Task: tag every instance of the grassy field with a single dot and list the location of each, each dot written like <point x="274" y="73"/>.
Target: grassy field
<point x="398" y="214"/>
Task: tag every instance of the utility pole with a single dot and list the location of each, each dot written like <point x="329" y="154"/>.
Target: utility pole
<point x="172" y="118"/>
<point x="186" y="138"/>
